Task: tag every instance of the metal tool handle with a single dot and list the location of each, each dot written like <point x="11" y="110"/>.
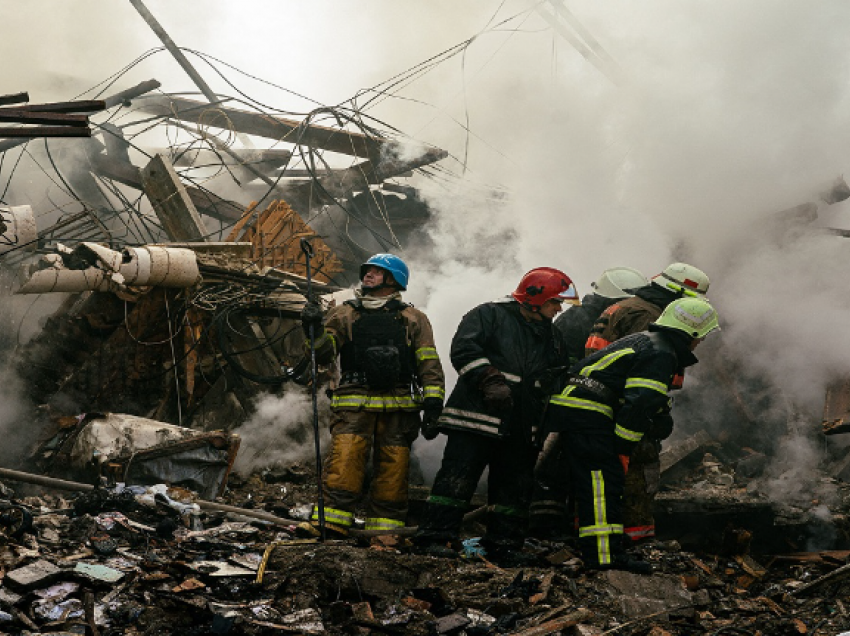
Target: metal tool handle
<point x="307" y="248"/>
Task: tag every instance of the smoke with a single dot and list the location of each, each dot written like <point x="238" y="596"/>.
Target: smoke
<point x="279" y="432"/>
<point x="727" y="113"/>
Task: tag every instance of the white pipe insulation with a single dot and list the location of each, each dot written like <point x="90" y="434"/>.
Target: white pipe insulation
<point x="19" y="230"/>
<point x="109" y="270"/>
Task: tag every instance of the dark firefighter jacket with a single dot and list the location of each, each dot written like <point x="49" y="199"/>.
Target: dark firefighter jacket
<point x="638" y="370"/>
<point x="628" y="316"/>
<point x="575" y="323"/>
<point x="420" y="340"/>
<point x="497" y="334"/>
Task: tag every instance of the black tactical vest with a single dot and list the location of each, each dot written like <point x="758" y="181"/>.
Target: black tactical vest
<point x="378" y="354"/>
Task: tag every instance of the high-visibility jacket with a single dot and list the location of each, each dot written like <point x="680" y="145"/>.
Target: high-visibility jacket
<point x="356" y="396"/>
<point x="628" y="316"/>
<point x="575" y="323"/>
<point x="496" y="334"/>
<point x="638" y="370"/>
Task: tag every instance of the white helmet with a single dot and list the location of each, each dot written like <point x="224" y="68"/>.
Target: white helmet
<point x="614" y="282"/>
<point x="683" y="279"/>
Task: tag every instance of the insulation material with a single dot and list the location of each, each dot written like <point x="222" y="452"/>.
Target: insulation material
<point x="138" y="450"/>
<point x="17" y="228"/>
<point x="93" y="267"/>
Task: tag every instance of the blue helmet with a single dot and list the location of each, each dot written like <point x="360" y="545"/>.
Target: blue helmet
<point x="391" y="263"/>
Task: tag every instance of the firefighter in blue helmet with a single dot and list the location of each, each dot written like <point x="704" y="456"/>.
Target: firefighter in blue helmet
<point x="389" y="372"/>
<point x="606" y="407"/>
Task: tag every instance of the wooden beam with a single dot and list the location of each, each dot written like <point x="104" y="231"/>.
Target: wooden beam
<point x="21" y="116"/>
<point x="171" y="202"/>
<point x="277" y="128"/>
<point x="129" y="175"/>
<point x="83" y="106"/>
<point x="44" y="131"/>
<point x="184" y="63"/>
<point x="14" y="98"/>
<point x="131" y="93"/>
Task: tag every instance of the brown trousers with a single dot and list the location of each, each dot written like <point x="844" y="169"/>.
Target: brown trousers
<point x="387" y="436"/>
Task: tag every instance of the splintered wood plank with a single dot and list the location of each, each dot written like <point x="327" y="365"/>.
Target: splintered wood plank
<point x="275" y="236"/>
<point x="171" y="202"/>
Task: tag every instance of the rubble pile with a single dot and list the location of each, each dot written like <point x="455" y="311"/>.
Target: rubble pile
<point x="145" y="560"/>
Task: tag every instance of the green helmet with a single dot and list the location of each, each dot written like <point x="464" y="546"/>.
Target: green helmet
<point x="693" y="316"/>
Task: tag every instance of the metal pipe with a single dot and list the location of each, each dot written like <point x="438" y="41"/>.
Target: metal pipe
<point x="174" y="50"/>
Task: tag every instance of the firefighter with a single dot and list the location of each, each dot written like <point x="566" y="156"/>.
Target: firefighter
<point x="605" y="410"/>
<point x="386" y="357"/>
<point x="629" y="316"/>
<point x="575" y="323"/>
<point x="548" y="517"/>
<point x="492" y="415"/>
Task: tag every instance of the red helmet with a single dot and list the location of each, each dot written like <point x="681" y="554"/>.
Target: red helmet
<point x="542" y="284"/>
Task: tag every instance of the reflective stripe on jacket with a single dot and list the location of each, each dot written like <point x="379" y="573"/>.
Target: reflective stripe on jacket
<point x="639" y="369"/>
<point x="356" y="397"/>
<point x="496" y="334"/>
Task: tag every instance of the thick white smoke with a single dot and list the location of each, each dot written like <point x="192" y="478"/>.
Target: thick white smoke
<point x="279" y="432"/>
<point x="726" y="113"/>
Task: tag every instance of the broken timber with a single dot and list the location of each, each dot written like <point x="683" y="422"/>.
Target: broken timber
<point x="172" y="203"/>
<point x="280" y="129"/>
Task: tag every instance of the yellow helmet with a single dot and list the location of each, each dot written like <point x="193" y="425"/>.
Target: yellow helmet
<point x="693" y="316"/>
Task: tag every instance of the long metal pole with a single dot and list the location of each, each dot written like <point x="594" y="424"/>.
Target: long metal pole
<point x="307" y="248"/>
<point x="174" y="50"/>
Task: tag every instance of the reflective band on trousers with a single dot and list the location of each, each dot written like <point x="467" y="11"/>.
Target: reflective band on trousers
<point x="626" y="434"/>
<point x="600" y="519"/>
<point x="509" y="511"/>
<point x="510" y="377"/>
<point x="605" y="362"/>
<point x="646" y="383"/>
<point x="434" y="391"/>
<point x="640" y="532"/>
<point x="375" y="402"/>
<point x="447" y="501"/>
<point x="332" y="515"/>
<point x="377" y="523"/>
<point x="426" y="353"/>
<point x="480" y="362"/>
<point x="592" y="531"/>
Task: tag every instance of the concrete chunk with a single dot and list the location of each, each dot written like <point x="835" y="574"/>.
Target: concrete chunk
<point x="36" y="574"/>
<point x="640" y="595"/>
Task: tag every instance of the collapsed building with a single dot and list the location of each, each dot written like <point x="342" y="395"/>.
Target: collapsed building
<point x="179" y="276"/>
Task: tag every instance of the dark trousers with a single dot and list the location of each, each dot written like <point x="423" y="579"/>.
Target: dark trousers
<point x="511" y="463"/>
<point x="641" y="486"/>
<point x="549" y="514"/>
<point x="598" y="481"/>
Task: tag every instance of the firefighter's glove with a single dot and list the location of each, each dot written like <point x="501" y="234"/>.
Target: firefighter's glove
<point x="311" y="315"/>
<point x="661" y="426"/>
<point x="432" y="407"/>
<point x="624" y="462"/>
<point x="495" y="390"/>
